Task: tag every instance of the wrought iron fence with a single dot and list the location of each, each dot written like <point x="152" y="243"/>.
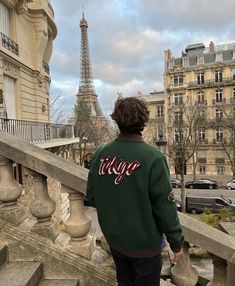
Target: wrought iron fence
<point x="9" y="44"/>
<point x="33" y="132"/>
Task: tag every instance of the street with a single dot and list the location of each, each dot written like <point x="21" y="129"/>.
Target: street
<point x="206" y="193"/>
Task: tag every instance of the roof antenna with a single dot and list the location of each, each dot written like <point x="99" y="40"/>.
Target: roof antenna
<point x="83" y="9"/>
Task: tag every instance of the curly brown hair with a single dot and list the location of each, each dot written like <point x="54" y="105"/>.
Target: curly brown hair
<point x="130" y="114"/>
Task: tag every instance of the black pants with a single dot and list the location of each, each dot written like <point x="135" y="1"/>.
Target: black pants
<point x="137" y="271"/>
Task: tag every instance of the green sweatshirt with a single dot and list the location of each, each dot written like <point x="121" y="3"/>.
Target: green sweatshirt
<point x="129" y="185"/>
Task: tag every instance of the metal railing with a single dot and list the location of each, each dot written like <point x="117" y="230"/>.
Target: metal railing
<point x="33" y="132"/>
<point x="9" y="44"/>
<point x="212" y="82"/>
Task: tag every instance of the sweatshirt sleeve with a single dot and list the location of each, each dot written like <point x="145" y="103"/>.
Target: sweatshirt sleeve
<point x="163" y="204"/>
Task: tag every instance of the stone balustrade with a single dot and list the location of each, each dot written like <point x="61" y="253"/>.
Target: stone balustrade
<point x="41" y="164"/>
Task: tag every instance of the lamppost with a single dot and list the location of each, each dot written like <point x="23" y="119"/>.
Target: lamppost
<point x="161" y="144"/>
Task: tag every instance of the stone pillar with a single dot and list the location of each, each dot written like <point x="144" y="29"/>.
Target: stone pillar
<point x="183" y="273"/>
<point x="219" y="277"/>
<point x="78" y="225"/>
<point x="10" y="191"/>
<point x="42" y="208"/>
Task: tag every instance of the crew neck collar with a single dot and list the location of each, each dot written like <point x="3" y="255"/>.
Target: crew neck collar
<point x="129" y="137"/>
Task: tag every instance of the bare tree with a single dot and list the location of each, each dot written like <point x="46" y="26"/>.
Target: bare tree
<point x="93" y="131"/>
<point x="225" y="122"/>
<point x="183" y="139"/>
<point x="57" y="112"/>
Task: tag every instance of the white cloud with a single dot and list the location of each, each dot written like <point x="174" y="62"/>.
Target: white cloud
<point x="127" y="41"/>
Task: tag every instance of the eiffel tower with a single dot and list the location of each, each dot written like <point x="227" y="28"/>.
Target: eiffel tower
<point x="86" y="89"/>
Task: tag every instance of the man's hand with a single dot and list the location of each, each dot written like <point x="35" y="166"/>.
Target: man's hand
<point x="177" y="256"/>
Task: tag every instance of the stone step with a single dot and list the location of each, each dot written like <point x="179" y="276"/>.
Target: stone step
<point x="3" y="254"/>
<point x="59" y="282"/>
<point x="166" y="283"/>
<point x="21" y="273"/>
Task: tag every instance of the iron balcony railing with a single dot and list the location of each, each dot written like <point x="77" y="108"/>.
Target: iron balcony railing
<point x="211" y="82"/>
<point x="34" y="132"/>
<point x="46" y="67"/>
<point x="9" y="44"/>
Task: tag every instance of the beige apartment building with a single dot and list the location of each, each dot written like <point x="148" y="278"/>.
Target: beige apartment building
<point x="156" y="124"/>
<point x="27" y="30"/>
<point x="206" y="77"/>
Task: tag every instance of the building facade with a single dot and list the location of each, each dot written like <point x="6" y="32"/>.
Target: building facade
<point x="27" y="30"/>
<point x="155" y="127"/>
<point x="205" y="77"/>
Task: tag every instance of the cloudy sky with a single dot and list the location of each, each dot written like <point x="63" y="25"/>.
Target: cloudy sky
<point x="127" y="39"/>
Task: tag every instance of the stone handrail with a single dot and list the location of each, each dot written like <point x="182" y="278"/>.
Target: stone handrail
<point x="73" y="179"/>
<point x="44" y="162"/>
<point x="208" y="238"/>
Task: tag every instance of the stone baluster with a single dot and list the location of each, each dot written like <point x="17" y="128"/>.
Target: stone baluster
<point x="43" y="207"/>
<point x="183" y="273"/>
<point x="220" y="266"/>
<point x="78" y="225"/>
<point x="231" y="271"/>
<point x="10" y="191"/>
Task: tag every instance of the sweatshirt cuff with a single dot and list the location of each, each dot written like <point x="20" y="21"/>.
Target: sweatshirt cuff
<point x="175" y="247"/>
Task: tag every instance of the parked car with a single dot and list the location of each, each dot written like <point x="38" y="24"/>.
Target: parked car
<point x="230" y="185"/>
<point x="201" y="184"/>
<point x="199" y="204"/>
<point x="175" y="183"/>
<point x="178" y="205"/>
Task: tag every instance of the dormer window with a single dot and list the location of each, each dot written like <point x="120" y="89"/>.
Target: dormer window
<point x="219" y="57"/>
<point x="200" y="60"/>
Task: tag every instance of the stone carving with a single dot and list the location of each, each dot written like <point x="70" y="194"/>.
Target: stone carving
<point x="22" y="6"/>
<point x="10" y="69"/>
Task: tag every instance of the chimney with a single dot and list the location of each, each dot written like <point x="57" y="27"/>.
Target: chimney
<point x="211" y="47"/>
<point x="168" y="54"/>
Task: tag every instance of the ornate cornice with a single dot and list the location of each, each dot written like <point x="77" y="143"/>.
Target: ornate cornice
<point x="10" y="69"/>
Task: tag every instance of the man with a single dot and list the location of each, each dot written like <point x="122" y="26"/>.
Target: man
<point x="129" y="185"/>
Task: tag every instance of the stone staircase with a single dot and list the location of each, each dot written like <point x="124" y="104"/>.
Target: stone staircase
<point x="29" y="260"/>
<point x="26" y="273"/>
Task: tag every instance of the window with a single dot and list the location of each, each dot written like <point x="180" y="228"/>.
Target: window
<point x="178" y="80"/>
<point x="219" y="113"/>
<point x="171" y="64"/>
<point x="178" y="116"/>
<point x="218" y="56"/>
<point x="185" y="62"/>
<point x="220" y="170"/>
<point x="178" y="97"/>
<point x="200" y="78"/>
<point x="202" y="170"/>
<point x="177" y="137"/>
<point x="202" y="136"/>
<point x="218" y="95"/>
<point x="1" y="97"/>
<point x="160" y="111"/>
<point x="4" y="20"/>
<point x="219" y="135"/>
<point x="218" y="76"/>
<point x="221" y="202"/>
<point x="200" y="60"/>
<point x="200" y="97"/>
<point x="9" y="94"/>
<point x="233" y="74"/>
